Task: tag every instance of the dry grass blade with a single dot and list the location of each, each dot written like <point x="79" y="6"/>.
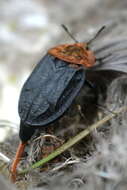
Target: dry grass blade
<point x="74" y="140"/>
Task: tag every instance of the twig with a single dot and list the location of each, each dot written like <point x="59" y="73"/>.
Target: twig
<point x="74" y="140"/>
<point x="4" y="158"/>
<point x="67" y="162"/>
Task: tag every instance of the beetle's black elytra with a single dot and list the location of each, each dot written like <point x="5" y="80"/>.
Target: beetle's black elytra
<point x="48" y="93"/>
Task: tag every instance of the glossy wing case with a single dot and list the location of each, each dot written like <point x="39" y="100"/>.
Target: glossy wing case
<point x="49" y="91"/>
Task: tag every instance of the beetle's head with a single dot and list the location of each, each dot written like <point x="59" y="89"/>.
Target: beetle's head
<point x="77" y="53"/>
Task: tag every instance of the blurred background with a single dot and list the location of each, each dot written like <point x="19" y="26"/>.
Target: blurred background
<point x="28" y="28"/>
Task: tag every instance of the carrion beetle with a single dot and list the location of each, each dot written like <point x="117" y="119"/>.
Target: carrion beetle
<point x="51" y="88"/>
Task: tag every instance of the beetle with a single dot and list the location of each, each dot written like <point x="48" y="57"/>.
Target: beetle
<point x="50" y="89"/>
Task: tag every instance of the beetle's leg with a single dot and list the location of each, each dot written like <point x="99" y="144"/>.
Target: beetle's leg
<point x="16" y="161"/>
<point x="100" y="59"/>
<point x="90" y="84"/>
<point x="102" y="107"/>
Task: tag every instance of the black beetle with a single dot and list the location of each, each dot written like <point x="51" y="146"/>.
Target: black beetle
<point x="50" y="90"/>
<point x="48" y="93"/>
<point x="45" y="96"/>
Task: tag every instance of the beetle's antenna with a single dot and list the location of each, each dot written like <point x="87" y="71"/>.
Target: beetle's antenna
<point x="96" y="35"/>
<point x="69" y="33"/>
